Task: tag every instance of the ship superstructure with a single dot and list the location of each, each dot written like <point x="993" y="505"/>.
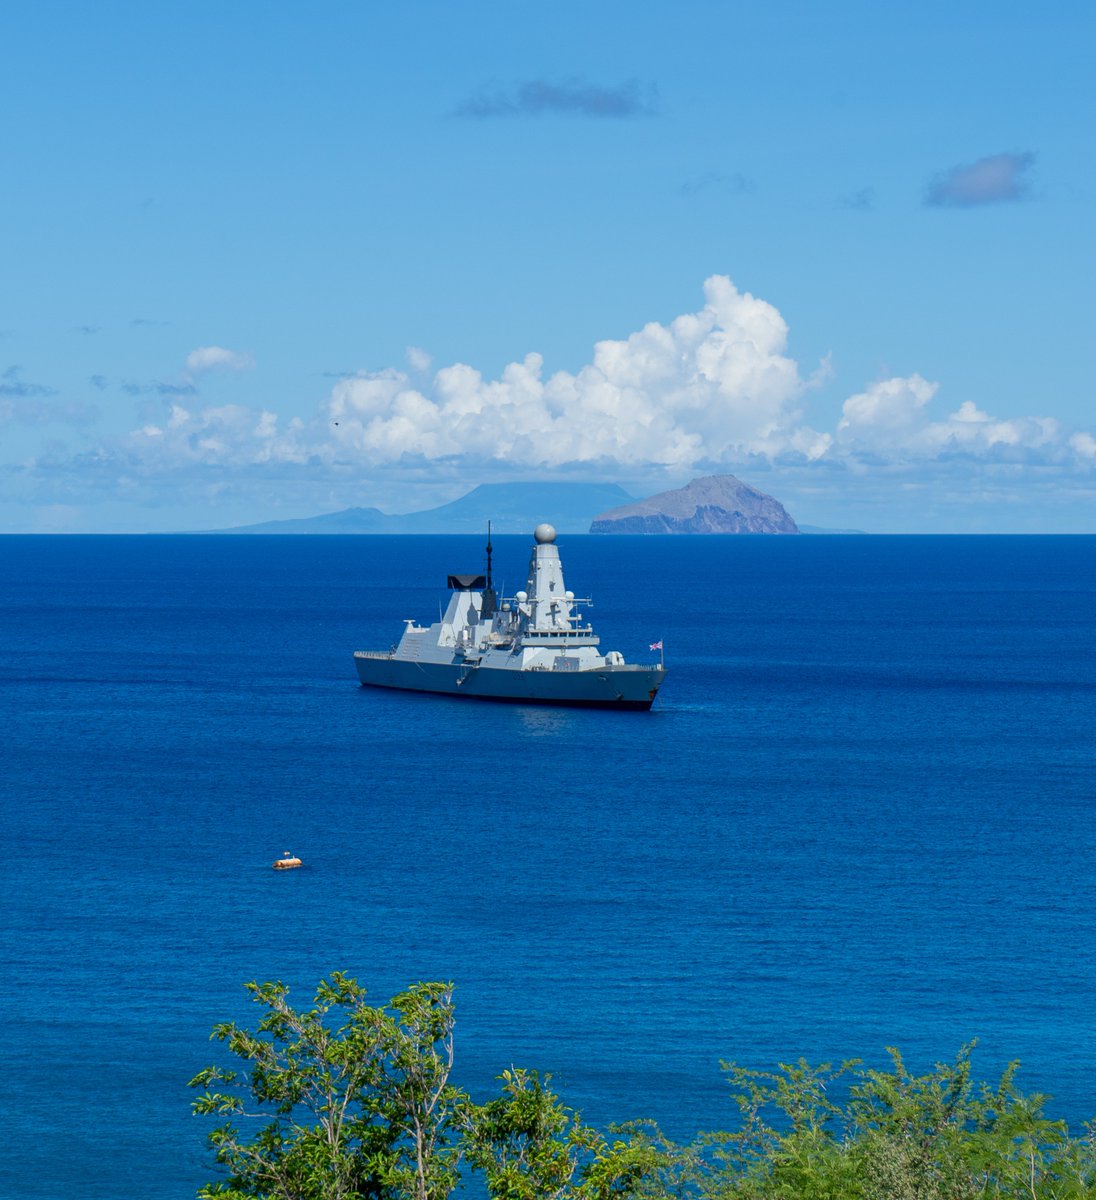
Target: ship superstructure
<point x="535" y="647"/>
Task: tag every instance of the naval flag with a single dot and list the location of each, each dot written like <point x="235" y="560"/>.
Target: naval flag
<point x="657" y="645"/>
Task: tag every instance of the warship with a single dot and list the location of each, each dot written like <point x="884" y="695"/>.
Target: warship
<point x="530" y="648"/>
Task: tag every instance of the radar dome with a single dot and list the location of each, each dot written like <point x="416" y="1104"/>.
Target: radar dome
<point x="544" y="533"/>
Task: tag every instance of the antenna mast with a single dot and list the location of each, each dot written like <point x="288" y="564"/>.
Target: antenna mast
<point x="489" y="597"/>
<point x="489" y="584"/>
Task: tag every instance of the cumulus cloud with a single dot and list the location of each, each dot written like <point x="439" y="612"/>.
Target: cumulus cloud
<point x="217" y="358"/>
<point x="714" y="389"/>
<point x="1000" y="177"/>
<point x="573" y="97"/>
<point x="710" y="384"/>
<point x="890" y="422"/>
<point x="887" y="412"/>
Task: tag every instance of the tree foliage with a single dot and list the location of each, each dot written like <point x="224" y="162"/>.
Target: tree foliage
<point x="896" y="1136"/>
<point x="530" y="1146"/>
<point x="355" y="1100"/>
<point x="346" y="1101"/>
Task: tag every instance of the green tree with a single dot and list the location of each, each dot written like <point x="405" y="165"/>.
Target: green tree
<point x="944" y="1135"/>
<point x="525" y="1142"/>
<point x="345" y="1101"/>
<point x="356" y="1100"/>
<point x="416" y="1098"/>
<point x="897" y="1136"/>
<point x="530" y="1146"/>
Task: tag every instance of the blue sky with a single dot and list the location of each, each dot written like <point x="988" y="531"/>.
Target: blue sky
<point x="258" y="261"/>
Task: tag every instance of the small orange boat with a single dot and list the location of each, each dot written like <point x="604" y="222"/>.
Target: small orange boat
<point x="287" y="862"/>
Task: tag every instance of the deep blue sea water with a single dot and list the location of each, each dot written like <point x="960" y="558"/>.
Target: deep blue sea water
<point x="862" y="813"/>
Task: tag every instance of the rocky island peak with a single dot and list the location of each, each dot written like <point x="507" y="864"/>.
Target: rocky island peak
<point x="712" y="504"/>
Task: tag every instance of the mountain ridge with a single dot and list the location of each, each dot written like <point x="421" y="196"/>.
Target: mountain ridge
<point x="511" y="508"/>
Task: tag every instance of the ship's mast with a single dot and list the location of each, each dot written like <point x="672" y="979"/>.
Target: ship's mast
<point x="488" y="608"/>
<point x="490" y="588"/>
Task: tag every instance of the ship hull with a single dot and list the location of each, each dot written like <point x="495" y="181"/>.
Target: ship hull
<point x="620" y="687"/>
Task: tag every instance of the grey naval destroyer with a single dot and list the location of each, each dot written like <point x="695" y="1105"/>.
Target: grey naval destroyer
<point x="530" y="648"/>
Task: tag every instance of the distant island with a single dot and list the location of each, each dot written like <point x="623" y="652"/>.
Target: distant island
<point x="510" y="507"/>
<point x="713" y="504"/>
<point x="717" y="504"/>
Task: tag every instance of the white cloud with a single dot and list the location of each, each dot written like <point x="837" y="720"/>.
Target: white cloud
<point x="229" y="435"/>
<point x="711" y="384"/>
<point x="890" y="421"/>
<point x="217" y="358"/>
<point x="713" y="389"/>
<point x="418" y="359"/>
<point x="886" y="413"/>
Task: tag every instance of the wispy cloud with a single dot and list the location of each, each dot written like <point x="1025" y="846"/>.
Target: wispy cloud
<point x="713" y="179"/>
<point x="199" y="362"/>
<point x="29" y="403"/>
<point x="572" y="97"/>
<point x="993" y="180"/>
<point x="87" y="330"/>
<point x="12" y="386"/>
<point x="145" y="323"/>
<point x="217" y="358"/>
<point x="862" y="200"/>
<point x="99" y="381"/>
<point x="159" y="389"/>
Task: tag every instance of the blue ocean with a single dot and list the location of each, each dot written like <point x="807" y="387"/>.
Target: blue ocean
<point x="862" y="813"/>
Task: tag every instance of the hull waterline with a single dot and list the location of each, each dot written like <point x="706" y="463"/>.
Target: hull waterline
<point x="628" y="687"/>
